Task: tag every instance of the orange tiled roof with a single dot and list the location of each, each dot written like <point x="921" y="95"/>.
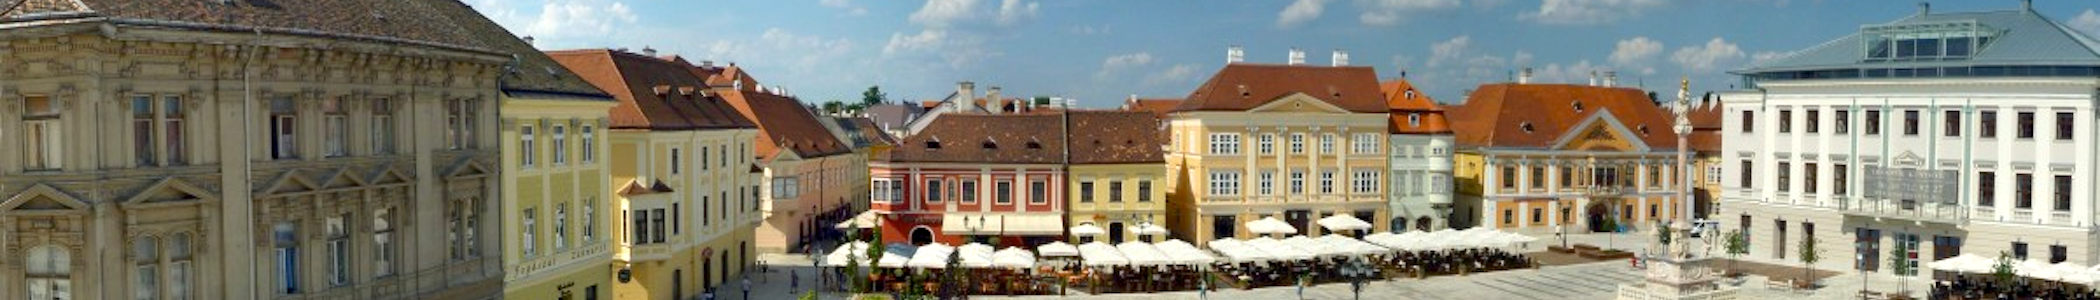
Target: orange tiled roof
<point x="1243" y="86"/>
<point x="1158" y="106"/>
<point x="1706" y="126"/>
<point x="1407" y="102"/>
<point x="1493" y="116"/>
<point x="783" y="123"/>
<point x="653" y="93"/>
<point x="1109" y="137"/>
<point x="986" y="138"/>
<point x="404" y="21"/>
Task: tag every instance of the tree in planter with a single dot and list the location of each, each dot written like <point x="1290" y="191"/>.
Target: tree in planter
<point x="1738" y="244"/>
<point x="1662" y="237"/>
<point x="875" y="250"/>
<point x="952" y="277"/>
<point x="854" y="282"/>
<point x="2003" y="270"/>
<point x="1809" y="256"/>
<point x="1899" y="262"/>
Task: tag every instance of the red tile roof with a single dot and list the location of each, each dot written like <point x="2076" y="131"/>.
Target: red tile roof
<point x="873" y="132"/>
<point x="1243" y="86"/>
<point x="783" y="123"/>
<point x="1405" y="101"/>
<point x="1110" y="137"/>
<point x="986" y="138"/>
<point x="392" y="21"/>
<point x="1706" y="126"/>
<point x="1494" y="115"/>
<point x="1158" y="106"/>
<point x="653" y="93"/>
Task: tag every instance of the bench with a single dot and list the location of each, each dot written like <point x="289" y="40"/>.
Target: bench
<point x="1872" y="295"/>
<point x="1781" y="285"/>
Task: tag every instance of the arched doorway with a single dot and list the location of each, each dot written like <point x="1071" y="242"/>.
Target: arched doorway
<point x="921" y="236"/>
<point x="1423" y="223"/>
<point x="724" y="267"/>
<point x="1599" y="216"/>
<point x="1115" y="233"/>
<point x="677" y="284"/>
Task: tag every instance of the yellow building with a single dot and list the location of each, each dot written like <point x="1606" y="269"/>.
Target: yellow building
<point x="811" y="178"/>
<point x="1542" y="158"/>
<point x="556" y="209"/>
<point x="1118" y="174"/>
<point x="1294" y="142"/>
<point x="684" y="184"/>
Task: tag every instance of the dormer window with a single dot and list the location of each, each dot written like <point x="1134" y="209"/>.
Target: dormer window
<point x="933" y="144"/>
<point x="1244" y="92"/>
<point x="1410" y="94"/>
<point x="988" y="144"/>
<point x="1957" y="39"/>
<point x="1526" y="126"/>
<point x="1644" y="130"/>
<point x="1414" y="119"/>
<point x="1577" y="104"/>
<point x="1039" y="145"/>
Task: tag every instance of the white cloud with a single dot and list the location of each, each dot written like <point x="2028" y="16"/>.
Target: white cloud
<point x="560" y="23"/>
<point x="1716" y="55"/>
<point x="1390" y="12"/>
<point x="846" y="5"/>
<point x="1176" y="74"/>
<point x="1577" y="73"/>
<point x="1015" y="11"/>
<point x="1636" y="53"/>
<point x="1767" y="56"/>
<point x="2088" y="22"/>
<point x="1115" y="64"/>
<point x="956" y="50"/>
<point x="1092" y="30"/>
<point x="1584" y="12"/>
<point x="1449" y="51"/>
<point x="1299" y="12"/>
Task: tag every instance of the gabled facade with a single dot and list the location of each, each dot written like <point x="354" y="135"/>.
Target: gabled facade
<point x="685" y="196"/>
<point x="975" y="177"/>
<point x="1550" y="158"/>
<point x="1420" y="148"/>
<point x="1295" y="142"/>
<point x="811" y="177"/>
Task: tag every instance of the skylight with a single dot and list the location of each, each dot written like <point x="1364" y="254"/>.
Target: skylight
<point x="1952" y="40"/>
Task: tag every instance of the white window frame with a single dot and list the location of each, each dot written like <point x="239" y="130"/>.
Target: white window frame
<point x="1297" y="143"/>
<point x="1327" y="143"/>
<point x="1365" y="181"/>
<point x="382" y="126"/>
<point x="1266" y="144"/>
<point x="335" y="128"/>
<point x="561" y="145"/>
<point x="561" y="227"/>
<point x="1297" y="182"/>
<point x="1224" y="143"/>
<point x="383" y="251"/>
<point x="1327" y="182"/>
<point x="145" y="278"/>
<point x="1365" y="143"/>
<point x="338" y="251"/>
<point x="590" y="142"/>
<point x="1266" y="182"/>
<point x="526" y="147"/>
<point x="1224" y="183"/>
<point x="284" y="127"/>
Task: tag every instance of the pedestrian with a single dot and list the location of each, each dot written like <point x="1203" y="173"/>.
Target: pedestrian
<point x="1301" y="286"/>
<point x="1203" y="287"/>
<point x="747" y="287"/>
<point x="710" y="295"/>
<point x="794" y="281"/>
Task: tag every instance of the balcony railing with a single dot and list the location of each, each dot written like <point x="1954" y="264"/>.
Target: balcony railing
<point x="2023" y="215"/>
<point x="1603" y="191"/>
<point x="1905" y="209"/>
<point x="2061" y="218"/>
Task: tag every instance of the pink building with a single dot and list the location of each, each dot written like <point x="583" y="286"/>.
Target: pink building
<point x="975" y="177"/>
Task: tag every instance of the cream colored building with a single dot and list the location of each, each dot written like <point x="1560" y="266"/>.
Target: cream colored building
<point x="812" y="179"/>
<point x="160" y="154"/>
<point x="1553" y="158"/>
<point x="683" y="177"/>
<point x="1294" y="142"/>
<point x="1118" y="175"/>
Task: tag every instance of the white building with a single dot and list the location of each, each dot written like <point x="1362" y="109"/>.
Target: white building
<point x="1420" y="144"/>
<point x="1950" y="132"/>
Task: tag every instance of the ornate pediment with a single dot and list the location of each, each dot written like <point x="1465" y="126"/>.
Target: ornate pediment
<point x="43" y="199"/>
<point x="1301" y="103"/>
<point x="286" y="183"/>
<point x="341" y="178"/>
<point x="170" y="191"/>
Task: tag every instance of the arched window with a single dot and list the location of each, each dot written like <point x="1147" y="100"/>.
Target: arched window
<point x="145" y="278"/>
<point x="50" y="273"/>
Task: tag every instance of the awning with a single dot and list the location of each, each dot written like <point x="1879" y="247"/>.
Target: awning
<point x="1002" y="224"/>
<point x="864" y="220"/>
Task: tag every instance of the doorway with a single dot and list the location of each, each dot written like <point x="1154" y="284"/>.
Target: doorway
<point x="1600" y="217"/>
<point x="1115" y="233"/>
<point x="921" y="236"/>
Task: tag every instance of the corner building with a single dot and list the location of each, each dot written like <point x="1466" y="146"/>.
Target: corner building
<point x="1552" y="158"/>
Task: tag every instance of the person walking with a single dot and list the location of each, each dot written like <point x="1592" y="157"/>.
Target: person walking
<point x="747" y="288"/>
<point x="710" y="295"/>
<point x="1203" y="287"/>
<point x="794" y="281"/>
<point x="1301" y="286"/>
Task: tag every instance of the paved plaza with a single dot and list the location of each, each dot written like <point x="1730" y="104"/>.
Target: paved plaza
<point x="1597" y="280"/>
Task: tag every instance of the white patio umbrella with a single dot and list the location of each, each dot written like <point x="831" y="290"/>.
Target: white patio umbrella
<point x="1147" y="229"/>
<point x="1964" y="263"/>
<point x="1271" y="225"/>
<point x="1143" y="254"/>
<point x="1101" y="254"/>
<point x="1088" y="229"/>
<point x="976" y="255"/>
<point x="1275" y="248"/>
<point x="855" y="251"/>
<point x="1012" y="257"/>
<point x="1340" y="222"/>
<point x="896" y="255"/>
<point x="2037" y="269"/>
<point x="2071" y="273"/>
<point x="1057" y="249"/>
<point x="1238" y="251"/>
<point x="1185" y="253"/>
<point x="931" y="256"/>
<point x="866" y="219"/>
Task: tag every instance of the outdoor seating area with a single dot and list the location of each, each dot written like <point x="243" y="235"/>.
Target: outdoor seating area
<point x="1970" y="276"/>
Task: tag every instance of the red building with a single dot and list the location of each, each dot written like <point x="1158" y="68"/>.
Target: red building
<point x="975" y="177"/>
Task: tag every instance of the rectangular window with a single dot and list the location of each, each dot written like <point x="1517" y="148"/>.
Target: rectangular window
<point x="641" y="227"/>
<point x="1297" y="182"/>
<point x="382" y="126"/>
<point x="284" y="129"/>
<point x="561" y="227"/>
<point x="2019" y="250"/>
<point x="1038" y="192"/>
<point x="676" y="217"/>
<point x="1223" y="226"/>
<point x="335" y="127"/>
<point x="2024" y="198"/>
<point x="1364" y="182"/>
<point x="1873" y="125"/>
<point x="1537" y="215"/>
<point x="2063" y="193"/>
<point x="1783" y="171"/>
<point x="676" y="165"/>
<point x="590" y="145"/>
<point x="1115" y="191"/>
<point x="2026" y="125"/>
<point x="1086" y="192"/>
<point x="1749" y="121"/>
<point x="1327" y="182"/>
<point x="2058" y="253"/>
<point x="383" y="242"/>
<point x="1987" y="124"/>
<point x="1297" y="143"/>
<point x="1144" y="191"/>
<point x="1265" y="183"/>
<point x="1224" y="183"/>
<point x="526" y="145"/>
<point x="459" y="120"/>
<point x="1003" y="192"/>
<point x="1509" y="216"/>
<point x="1808" y="171"/>
<point x="703" y="158"/>
<point x="1538" y="177"/>
<point x="1566" y="180"/>
<point x="561" y="145"/>
<point x="1266" y="144"/>
<point x="933" y="191"/>
<point x="528" y="242"/>
<point x="1844" y="122"/>
<point x="1224" y="143"/>
<point x="1508" y="177"/>
<point x="1841" y="184"/>
<point x="142" y="129"/>
<point x="656" y="224"/>
<point x="1786" y="121"/>
<point x="1910" y="122"/>
<point x="1986" y="189"/>
<point x="1365" y="143"/>
<point x="287" y="240"/>
<point x="2064" y="130"/>
<point x="1813" y="117"/>
<point x="1952" y="124"/>
<point x="967" y="191"/>
<point x="1327" y="143"/>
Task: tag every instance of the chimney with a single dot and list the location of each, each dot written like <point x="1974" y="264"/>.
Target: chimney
<point x="707" y="64"/>
<point x="650" y="52"/>
<point x="992" y="97"/>
<point x="1593" y="78"/>
<point x="1341" y="57"/>
<point x="1611" y="78"/>
<point x="1925" y="8"/>
<point x="2027" y="5"/>
<point x="1234" y="54"/>
<point x="737" y="85"/>
<point x="1524" y="77"/>
<point x="1297" y="56"/>
<point x="965" y="95"/>
<point x="528" y="41"/>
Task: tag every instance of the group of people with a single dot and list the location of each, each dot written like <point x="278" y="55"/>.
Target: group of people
<point x="1457" y="260"/>
<point x="1146" y="278"/>
<point x="1973" y="289"/>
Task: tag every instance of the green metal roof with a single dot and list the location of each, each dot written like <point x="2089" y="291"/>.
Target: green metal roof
<point x="2020" y="38"/>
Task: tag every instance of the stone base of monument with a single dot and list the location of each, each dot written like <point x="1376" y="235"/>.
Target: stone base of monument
<point x="1672" y="278"/>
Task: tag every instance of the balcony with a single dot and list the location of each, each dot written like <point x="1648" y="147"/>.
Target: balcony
<point x="1905" y="209"/>
<point x="2061" y="218"/>
<point x="1607" y="191"/>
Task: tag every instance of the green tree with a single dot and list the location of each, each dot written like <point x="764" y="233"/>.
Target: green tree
<point x="854" y="281"/>
<point x="834" y="106"/>
<point x="873" y="96"/>
<point x="1809" y="256"/>
<point x="952" y="276"/>
<point x="2003" y="270"/>
<point x="1738" y="244"/>
<point x="875" y="250"/>
<point x="1899" y="262"/>
<point x="1662" y="235"/>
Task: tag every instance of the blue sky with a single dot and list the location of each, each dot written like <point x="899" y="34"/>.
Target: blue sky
<point x="1101" y="51"/>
